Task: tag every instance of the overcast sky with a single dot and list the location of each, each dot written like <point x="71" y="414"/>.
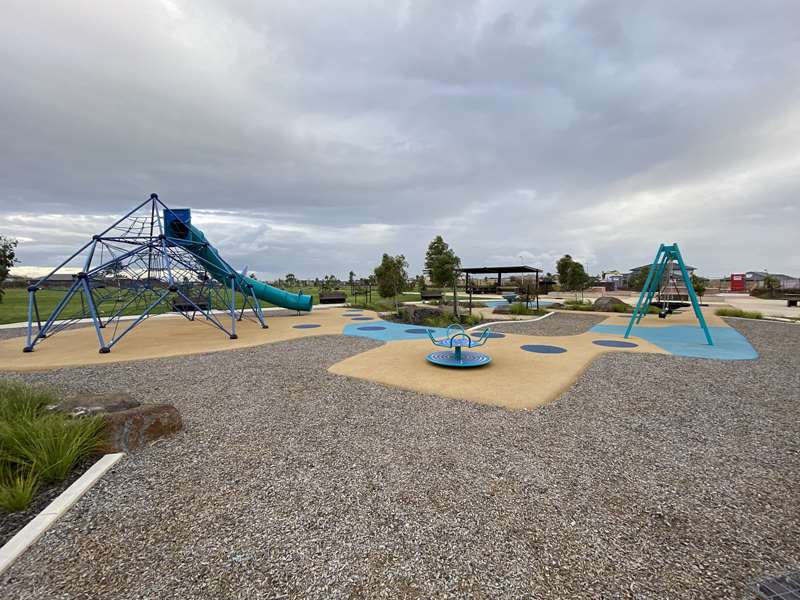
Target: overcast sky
<point x="310" y="137"/>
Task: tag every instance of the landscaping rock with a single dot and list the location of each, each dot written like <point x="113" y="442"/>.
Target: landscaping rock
<point x="129" y="424"/>
<point x="606" y="303"/>
<point x="503" y="309"/>
<point x="92" y="404"/>
<point x="130" y="429"/>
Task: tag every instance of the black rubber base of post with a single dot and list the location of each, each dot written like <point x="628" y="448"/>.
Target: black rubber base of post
<point x="105" y="350"/>
<point x="265" y="327"/>
<point x="234" y="337"/>
<point x="28" y="349"/>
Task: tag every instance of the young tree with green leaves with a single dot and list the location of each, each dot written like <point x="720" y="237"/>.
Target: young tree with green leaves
<point x="771" y="284"/>
<point x="637" y="280"/>
<point x="391" y="276"/>
<point x="441" y="262"/>
<point x="699" y="284"/>
<point x="8" y="258"/>
<point x="291" y="280"/>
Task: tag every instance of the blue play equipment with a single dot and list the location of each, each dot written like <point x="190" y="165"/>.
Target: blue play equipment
<point x="666" y="257"/>
<point x="456" y="339"/>
<point x="151" y="260"/>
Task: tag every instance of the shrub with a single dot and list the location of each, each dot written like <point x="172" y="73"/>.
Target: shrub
<point x="738" y="312"/>
<point x="51" y="445"/>
<point x="17" y="487"/>
<point x="446" y="319"/>
<point x="37" y="446"/>
<point x="519" y="308"/>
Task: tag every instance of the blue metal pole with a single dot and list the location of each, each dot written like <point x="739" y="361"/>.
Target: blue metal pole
<point x="644" y="291"/>
<point x="695" y="302"/>
<point x="233" y="308"/>
<point x="28" y="346"/>
<point x="90" y="299"/>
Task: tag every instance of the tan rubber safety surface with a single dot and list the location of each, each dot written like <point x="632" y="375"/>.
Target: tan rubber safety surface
<point x="162" y="337"/>
<point x="515" y="379"/>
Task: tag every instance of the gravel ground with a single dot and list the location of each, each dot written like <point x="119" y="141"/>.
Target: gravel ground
<point x="653" y="477"/>
<point x="557" y="324"/>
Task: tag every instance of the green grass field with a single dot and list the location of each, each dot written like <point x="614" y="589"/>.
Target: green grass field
<point x="14" y="306"/>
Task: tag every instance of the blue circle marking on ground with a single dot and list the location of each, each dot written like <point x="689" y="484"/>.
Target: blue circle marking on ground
<point x="362" y="319"/>
<point x="306" y="326"/>
<point x="371" y="328"/>
<point x="491" y="335"/>
<point x="541" y="349"/>
<point x="614" y="344"/>
<point x="417" y="330"/>
<point x="468" y="359"/>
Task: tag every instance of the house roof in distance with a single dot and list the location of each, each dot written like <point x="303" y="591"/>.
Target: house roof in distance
<point x="500" y="270"/>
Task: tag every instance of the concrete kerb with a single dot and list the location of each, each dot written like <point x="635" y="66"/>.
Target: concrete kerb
<point x="26" y="536"/>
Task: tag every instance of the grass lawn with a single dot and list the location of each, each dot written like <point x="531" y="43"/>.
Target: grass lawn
<point x="14" y="306"/>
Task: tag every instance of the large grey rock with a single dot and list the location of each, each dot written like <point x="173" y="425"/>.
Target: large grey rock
<point x="606" y="303"/>
<point x="92" y="404"/>
<point x="129" y="423"/>
<point x="130" y="429"/>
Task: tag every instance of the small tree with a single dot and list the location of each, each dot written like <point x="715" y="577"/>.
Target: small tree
<point x="637" y="280"/>
<point x="563" y="266"/>
<point x="441" y="262"/>
<point x="419" y="283"/>
<point x="699" y="284"/>
<point x="329" y="282"/>
<point x="8" y="258"/>
<point x="577" y="278"/>
<point x="291" y="280"/>
<point x="771" y="284"/>
<point x="391" y="276"/>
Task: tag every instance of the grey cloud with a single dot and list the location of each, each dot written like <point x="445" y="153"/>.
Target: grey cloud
<point x="595" y="128"/>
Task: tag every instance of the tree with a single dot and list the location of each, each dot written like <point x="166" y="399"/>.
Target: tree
<point x="8" y="258"/>
<point x="441" y="262"/>
<point x="637" y="280"/>
<point x="291" y="280"/>
<point x="330" y="282"/>
<point x="699" y="284"/>
<point x="391" y="276"/>
<point x="419" y="283"/>
<point x="771" y="284"/>
<point x="571" y="274"/>
<point x="563" y="266"/>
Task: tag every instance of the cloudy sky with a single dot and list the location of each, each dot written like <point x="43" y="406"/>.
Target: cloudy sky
<point x="312" y="136"/>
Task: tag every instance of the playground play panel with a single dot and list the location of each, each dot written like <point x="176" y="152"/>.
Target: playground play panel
<point x="525" y="372"/>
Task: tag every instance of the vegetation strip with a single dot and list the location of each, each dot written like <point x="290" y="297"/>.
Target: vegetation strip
<point x="45" y="519"/>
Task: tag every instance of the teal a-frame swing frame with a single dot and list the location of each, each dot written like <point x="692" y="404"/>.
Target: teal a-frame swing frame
<point x="667" y="253"/>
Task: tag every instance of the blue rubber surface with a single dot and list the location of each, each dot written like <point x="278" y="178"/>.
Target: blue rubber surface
<point x="491" y="335"/>
<point x="687" y="340"/>
<point x="542" y="349"/>
<point x="392" y="331"/>
<point x="446" y="358"/>
<point x="306" y="326"/>
<point x="614" y="344"/>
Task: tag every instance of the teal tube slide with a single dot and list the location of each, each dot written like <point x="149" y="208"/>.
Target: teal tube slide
<point x="177" y="224"/>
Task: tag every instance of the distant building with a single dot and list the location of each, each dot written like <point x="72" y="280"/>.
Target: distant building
<point x="755" y="279"/>
<point x="676" y="274"/>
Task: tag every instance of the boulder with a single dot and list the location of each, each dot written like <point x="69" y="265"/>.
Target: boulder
<point x="606" y="303"/>
<point x="92" y="404"/>
<point x="129" y="423"/>
<point x="130" y="429"/>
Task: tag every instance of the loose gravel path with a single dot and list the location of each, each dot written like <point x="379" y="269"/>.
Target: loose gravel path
<point x="653" y="477"/>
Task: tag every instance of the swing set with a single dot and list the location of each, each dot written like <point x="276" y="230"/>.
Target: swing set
<point x="667" y="257"/>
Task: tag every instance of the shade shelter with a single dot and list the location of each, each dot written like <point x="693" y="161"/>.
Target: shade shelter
<point x="499" y="271"/>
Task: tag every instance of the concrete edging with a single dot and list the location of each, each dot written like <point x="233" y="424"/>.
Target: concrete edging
<point x="26" y="536"/>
